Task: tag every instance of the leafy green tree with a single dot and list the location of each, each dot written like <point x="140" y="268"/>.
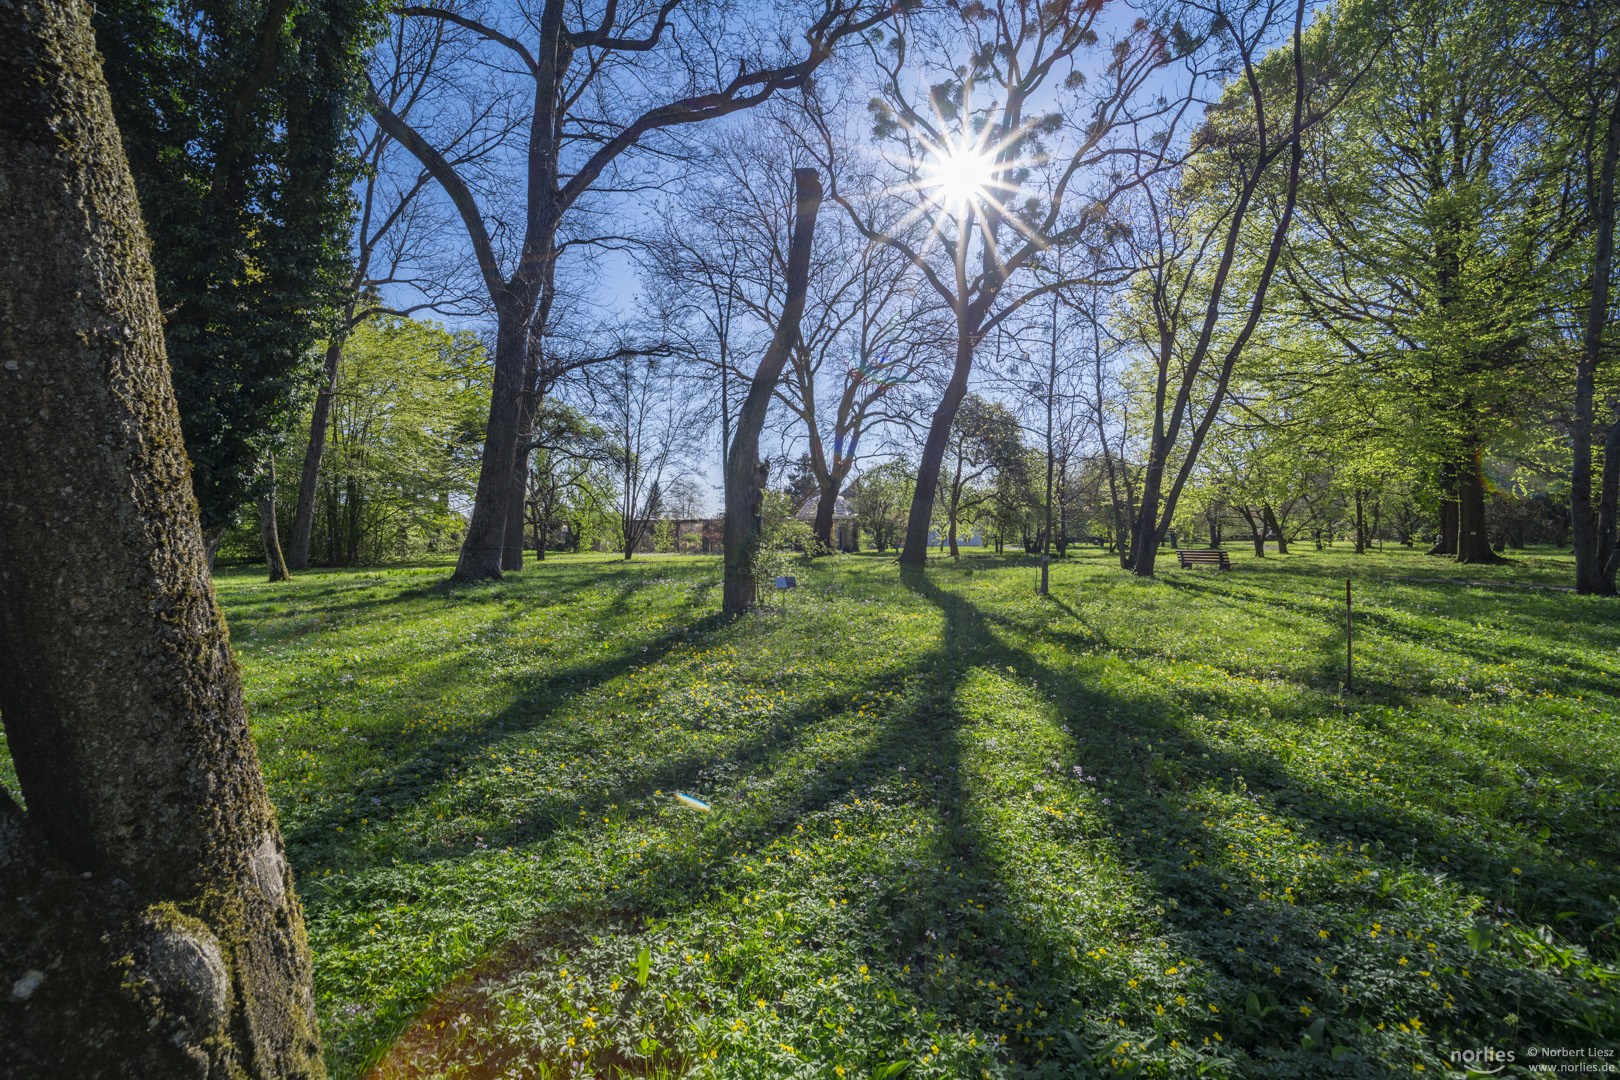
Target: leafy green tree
<point x="1211" y="233"/>
<point x="1427" y="253"/>
<point x="568" y="477"/>
<point x="236" y="121"/>
<point x="880" y="496"/>
<point x="402" y="442"/>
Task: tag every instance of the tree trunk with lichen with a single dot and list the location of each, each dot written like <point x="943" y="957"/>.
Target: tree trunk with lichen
<point x="744" y="475"/>
<point x="148" y="926"/>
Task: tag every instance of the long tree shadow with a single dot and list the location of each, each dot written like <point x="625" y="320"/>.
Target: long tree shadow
<point x="1591" y="679"/>
<point x="425" y="762"/>
<point x="942" y="906"/>
<point x="1285" y="949"/>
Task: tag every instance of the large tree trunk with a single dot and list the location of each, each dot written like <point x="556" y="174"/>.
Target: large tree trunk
<point x="267" y="528"/>
<point x="1594" y="566"/>
<point x="915" y="549"/>
<point x="482" y="548"/>
<point x="304" y="516"/>
<point x="512" y="549"/>
<point x="1446" y="542"/>
<point x="824" y="512"/>
<point x="148" y="926"/>
<point x="1270" y="518"/>
<point x="1145" y="535"/>
<point x="1473" y="539"/>
<point x="743" y="475"/>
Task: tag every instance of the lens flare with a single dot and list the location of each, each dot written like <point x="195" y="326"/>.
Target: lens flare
<point x="960" y="176"/>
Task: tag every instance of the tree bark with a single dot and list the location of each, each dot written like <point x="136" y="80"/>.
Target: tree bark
<point x="742" y="466"/>
<point x="148" y="925"/>
<point x="1608" y="547"/>
<point x="1594" y="569"/>
<point x="1446" y="542"/>
<point x="1257" y="529"/>
<point x="1270" y="518"/>
<point x="824" y="513"/>
<point x="915" y="549"/>
<point x="267" y="528"/>
<point x="485" y="542"/>
<point x="304" y="516"/>
<point x="1473" y="539"/>
<point x="512" y="549"/>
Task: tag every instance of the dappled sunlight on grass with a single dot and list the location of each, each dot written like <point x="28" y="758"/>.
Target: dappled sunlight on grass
<point x="1135" y="824"/>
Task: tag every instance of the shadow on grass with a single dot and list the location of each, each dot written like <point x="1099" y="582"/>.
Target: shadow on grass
<point x="923" y="910"/>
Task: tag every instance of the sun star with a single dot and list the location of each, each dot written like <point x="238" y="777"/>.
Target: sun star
<point x="961" y="175"/>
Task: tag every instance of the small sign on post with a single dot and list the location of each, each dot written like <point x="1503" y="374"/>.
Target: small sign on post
<point x="783" y="584"/>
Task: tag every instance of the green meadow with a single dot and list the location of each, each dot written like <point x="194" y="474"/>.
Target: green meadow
<point x="1135" y="828"/>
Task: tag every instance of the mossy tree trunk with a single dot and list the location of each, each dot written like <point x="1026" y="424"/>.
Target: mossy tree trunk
<point x="744" y="477"/>
<point x="148" y="925"/>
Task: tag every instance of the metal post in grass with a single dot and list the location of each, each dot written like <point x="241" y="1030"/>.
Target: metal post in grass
<point x="1349" y="686"/>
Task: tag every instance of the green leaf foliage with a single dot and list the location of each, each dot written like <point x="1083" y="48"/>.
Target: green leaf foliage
<point x="236" y="122"/>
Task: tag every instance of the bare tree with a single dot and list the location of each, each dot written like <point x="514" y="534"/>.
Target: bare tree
<point x="644" y="419"/>
<point x="148" y="925"/>
<point x="583" y="88"/>
<point x="398" y="241"/>
<point x="745" y="476"/>
<point x="1003" y="148"/>
<point x="725" y="265"/>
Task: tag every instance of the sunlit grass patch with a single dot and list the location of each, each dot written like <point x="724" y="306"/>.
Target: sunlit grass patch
<point x="1131" y="826"/>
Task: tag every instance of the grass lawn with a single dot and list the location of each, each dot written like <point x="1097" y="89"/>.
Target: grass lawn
<point x="1131" y="829"/>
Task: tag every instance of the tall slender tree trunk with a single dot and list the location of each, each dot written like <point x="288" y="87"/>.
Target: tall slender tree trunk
<point x="914" y="551"/>
<point x="308" y="482"/>
<point x="743" y="475"/>
<point x="267" y="527"/>
<point x="148" y="925"/>
<point x="1594" y="548"/>
<point x="1361" y="525"/>
<point x="1608" y="544"/>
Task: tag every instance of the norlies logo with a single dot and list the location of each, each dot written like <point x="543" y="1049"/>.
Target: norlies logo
<point x="1486" y="1060"/>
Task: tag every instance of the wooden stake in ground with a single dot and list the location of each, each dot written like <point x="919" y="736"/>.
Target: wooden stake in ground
<point x="148" y="926"/>
<point x="743" y="473"/>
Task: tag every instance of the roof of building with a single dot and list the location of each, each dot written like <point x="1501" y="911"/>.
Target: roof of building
<point x="841" y="509"/>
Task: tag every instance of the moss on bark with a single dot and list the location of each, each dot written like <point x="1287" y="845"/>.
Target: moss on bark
<point x="142" y="929"/>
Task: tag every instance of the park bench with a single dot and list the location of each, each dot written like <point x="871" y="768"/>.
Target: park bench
<point x="1211" y="557"/>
